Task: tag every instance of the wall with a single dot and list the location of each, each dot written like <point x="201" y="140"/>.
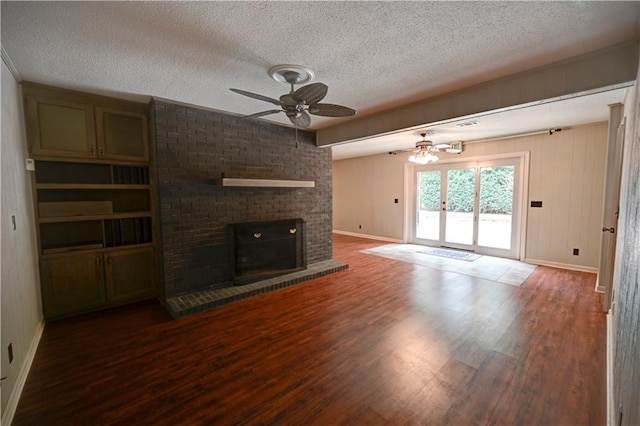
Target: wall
<point x="194" y="148"/>
<point x="19" y="282"/>
<point x="626" y="279"/>
<point x="566" y="173"/>
<point x="364" y="191"/>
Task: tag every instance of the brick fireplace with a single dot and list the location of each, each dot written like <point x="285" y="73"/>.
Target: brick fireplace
<point x="194" y="149"/>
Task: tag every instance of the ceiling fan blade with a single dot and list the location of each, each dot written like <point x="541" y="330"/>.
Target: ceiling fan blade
<point x="311" y="93"/>
<point x="256" y="96"/>
<point x="303" y="121"/>
<point x="331" y="110"/>
<point x="260" y="114"/>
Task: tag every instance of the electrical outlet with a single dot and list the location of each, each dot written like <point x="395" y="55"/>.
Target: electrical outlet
<point x="576" y="252"/>
<point x="10" y="350"/>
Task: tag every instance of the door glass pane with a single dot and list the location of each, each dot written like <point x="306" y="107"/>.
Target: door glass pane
<point x="460" y="203"/>
<point x="428" y="212"/>
<point x="496" y="207"/>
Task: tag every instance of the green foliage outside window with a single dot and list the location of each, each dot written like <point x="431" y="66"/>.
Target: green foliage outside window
<point x="496" y="191"/>
<point x="429" y="183"/>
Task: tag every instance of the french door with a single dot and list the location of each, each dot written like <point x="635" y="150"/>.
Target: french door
<point x="471" y="206"/>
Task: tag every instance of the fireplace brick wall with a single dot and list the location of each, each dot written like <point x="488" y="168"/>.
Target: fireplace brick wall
<point x="193" y="149"/>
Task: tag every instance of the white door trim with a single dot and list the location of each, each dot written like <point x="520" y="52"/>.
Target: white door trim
<point x="613" y="173"/>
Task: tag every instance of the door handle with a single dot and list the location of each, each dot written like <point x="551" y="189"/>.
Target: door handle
<point x="612" y="229"/>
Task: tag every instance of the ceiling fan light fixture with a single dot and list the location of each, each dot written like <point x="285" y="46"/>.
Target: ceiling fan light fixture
<point x="423" y="157"/>
<point x="424" y="154"/>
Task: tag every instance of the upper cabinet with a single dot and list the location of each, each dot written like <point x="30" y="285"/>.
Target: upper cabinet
<point x="60" y="128"/>
<point x="122" y="135"/>
<point x="76" y="125"/>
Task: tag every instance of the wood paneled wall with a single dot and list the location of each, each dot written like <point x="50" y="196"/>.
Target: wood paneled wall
<point x="364" y="192"/>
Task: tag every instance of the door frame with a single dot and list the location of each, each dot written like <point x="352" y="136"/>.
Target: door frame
<point x="613" y="174"/>
<point x="519" y="237"/>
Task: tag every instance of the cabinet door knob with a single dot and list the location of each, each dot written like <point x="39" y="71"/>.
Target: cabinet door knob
<point x="612" y="229"/>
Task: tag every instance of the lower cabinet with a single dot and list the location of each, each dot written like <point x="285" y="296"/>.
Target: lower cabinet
<point x="83" y="282"/>
<point x="72" y="284"/>
<point x="130" y="274"/>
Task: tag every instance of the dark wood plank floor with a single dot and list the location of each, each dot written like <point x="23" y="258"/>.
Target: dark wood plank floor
<point x="384" y="342"/>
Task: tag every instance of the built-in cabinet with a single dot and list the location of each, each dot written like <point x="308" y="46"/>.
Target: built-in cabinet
<point x="61" y="128"/>
<point x="93" y="194"/>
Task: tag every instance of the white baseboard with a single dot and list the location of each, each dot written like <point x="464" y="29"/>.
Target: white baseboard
<point x="370" y="237"/>
<point x="16" y="392"/>
<point x="599" y="288"/>
<point x="611" y="412"/>
<point x="568" y="266"/>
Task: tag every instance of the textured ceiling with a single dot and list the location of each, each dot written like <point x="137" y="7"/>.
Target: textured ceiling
<point x="372" y="55"/>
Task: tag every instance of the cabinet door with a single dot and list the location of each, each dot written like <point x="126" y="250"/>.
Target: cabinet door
<point x="122" y="135"/>
<point x="72" y="284"/>
<point x="130" y="274"/>
<point x="60" y="129"/>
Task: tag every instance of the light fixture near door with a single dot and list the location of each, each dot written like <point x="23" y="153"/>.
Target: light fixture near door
<point x="425" y="151"/>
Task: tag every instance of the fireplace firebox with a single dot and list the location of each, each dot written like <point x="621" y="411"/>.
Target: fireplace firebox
<point x="261" y="250"/>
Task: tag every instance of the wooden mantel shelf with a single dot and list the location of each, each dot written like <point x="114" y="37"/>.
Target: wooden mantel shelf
<point x="268" y="183"/>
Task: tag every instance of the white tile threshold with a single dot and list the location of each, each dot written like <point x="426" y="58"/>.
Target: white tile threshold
<point x="505" y="271"/>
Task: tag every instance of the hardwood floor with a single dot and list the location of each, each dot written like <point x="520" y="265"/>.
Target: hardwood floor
<point x="384" y="342"/>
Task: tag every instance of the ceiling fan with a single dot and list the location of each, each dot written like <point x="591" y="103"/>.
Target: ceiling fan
<point x="298" y="103"/>
<point x="425" y="151"/>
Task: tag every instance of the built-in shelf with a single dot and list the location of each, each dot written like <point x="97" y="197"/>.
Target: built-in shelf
<point x="86" y="218"/>
<point x="270" y="183"/>
<point x="90" y="186"/>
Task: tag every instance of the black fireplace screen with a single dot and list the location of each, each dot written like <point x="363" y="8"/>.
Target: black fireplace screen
<point x="261" y="250"/>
